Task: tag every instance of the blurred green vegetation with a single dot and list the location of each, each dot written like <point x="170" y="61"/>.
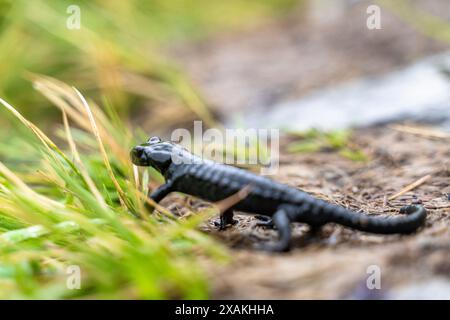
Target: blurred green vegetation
<point x="85" y="207"/>
<point x="315" y="140"/>
<point x="426" y="23"/>
<point x="118" y="51"/>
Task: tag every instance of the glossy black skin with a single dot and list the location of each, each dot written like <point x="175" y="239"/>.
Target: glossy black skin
<point x="213" y="182"/>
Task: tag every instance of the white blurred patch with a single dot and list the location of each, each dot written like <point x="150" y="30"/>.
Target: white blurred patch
<point x="419" y="92"/>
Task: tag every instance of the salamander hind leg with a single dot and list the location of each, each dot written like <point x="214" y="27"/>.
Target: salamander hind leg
<point x="264" y="221"/>
<point x="281" y="220"/>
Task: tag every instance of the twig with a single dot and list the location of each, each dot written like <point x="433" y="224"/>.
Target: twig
<point x="410" y="187"/>
<point x="227" y="203"/>
<point x="422" y="131"/>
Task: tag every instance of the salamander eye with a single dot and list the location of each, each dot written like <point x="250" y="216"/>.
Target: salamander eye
<point x="154" y="140"/>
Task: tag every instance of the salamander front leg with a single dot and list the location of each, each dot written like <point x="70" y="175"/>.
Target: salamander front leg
<point x="160" y="194"/>
<point x="226" y="218"/>
<point x="283" y="224"/>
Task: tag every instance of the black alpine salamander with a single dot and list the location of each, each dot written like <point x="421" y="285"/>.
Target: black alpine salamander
<point x="187" y="173"/>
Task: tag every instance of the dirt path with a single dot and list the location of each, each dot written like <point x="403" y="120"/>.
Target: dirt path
<point x="334" y="263"/>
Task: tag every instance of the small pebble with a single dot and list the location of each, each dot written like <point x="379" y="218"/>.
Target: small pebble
<point x="417" y="201"/>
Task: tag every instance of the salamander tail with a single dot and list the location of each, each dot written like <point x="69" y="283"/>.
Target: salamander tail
<point x="414" y="217"/>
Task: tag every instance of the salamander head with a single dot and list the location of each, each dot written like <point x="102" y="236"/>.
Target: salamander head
<point x="154" y="153"/>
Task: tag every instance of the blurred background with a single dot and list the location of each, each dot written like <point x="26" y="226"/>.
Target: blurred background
<point x="249" y="63"/>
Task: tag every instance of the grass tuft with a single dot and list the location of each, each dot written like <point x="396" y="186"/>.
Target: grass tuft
<point x="81" y="206"/>
<point x="314" y="140"/>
